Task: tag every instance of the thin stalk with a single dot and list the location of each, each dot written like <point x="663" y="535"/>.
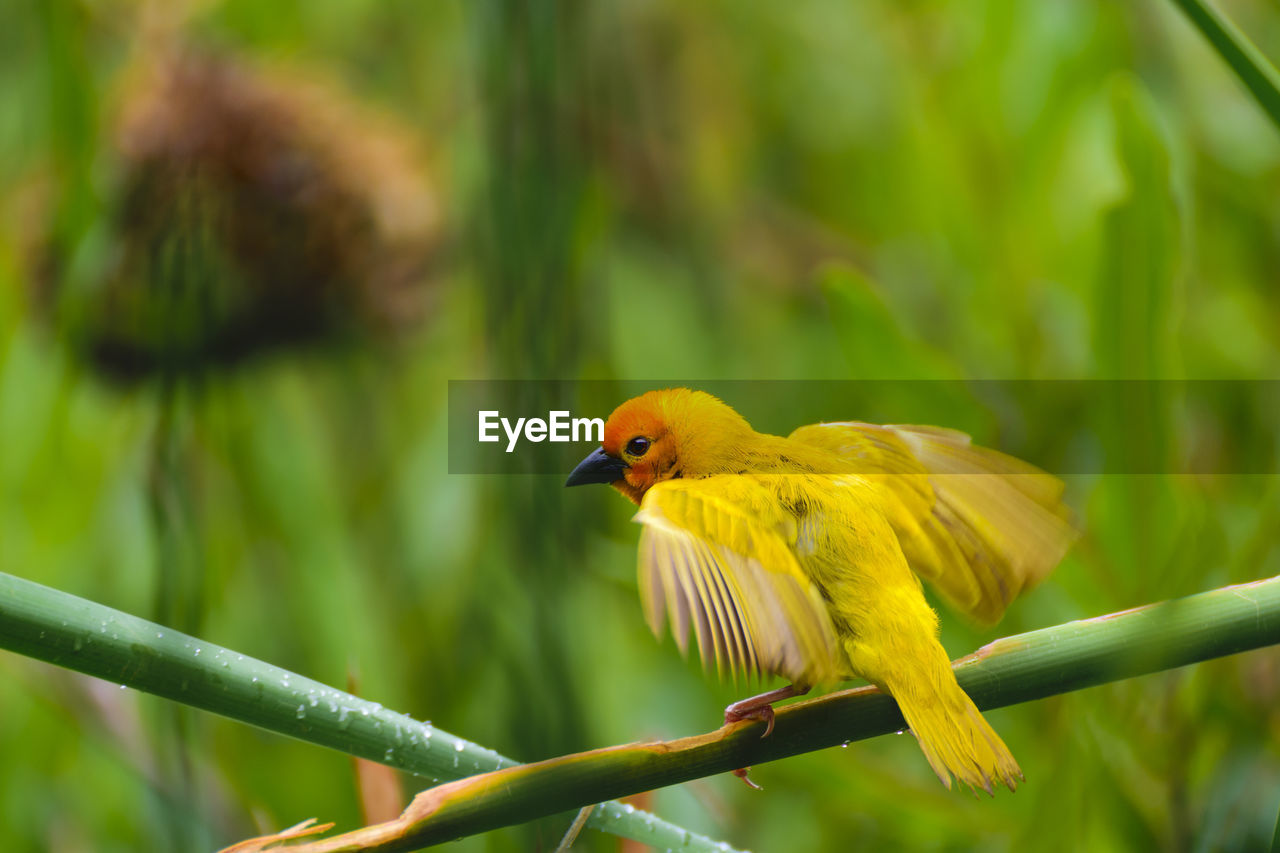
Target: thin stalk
<point x="1275" y="839"/>
<point x="1258" y="75"/>
<point x="1008" y="671"/>
<point x="575" y="829"/>
<point x="72" y="632"/>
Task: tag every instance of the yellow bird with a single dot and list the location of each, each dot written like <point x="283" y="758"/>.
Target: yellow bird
<point x="801" y="556"/>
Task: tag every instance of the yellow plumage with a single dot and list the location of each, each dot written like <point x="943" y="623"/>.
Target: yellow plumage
<point x="799" y="556"/>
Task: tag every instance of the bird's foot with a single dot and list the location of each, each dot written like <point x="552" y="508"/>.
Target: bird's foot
<point x="736" y="714"/>
<point x="748" y="709"/>
<point x="759" y="708"/>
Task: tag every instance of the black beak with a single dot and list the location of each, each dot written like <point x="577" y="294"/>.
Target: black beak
<point x="599" y="467"/>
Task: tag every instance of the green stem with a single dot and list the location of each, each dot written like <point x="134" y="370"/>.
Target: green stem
<point x="60" y="628"/>
<point x="1015" y="669"/>
<point x="1253" y="69"/>
<point x="82" y="635"/>
<point x="1275" y="839"/>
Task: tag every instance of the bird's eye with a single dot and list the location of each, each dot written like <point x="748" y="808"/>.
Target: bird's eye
<point x="638" y="446"/>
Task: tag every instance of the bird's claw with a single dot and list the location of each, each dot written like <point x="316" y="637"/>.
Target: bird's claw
<point x="741" y="773"/>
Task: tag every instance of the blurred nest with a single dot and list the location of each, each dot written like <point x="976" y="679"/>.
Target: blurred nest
<point x="252" y="211"/>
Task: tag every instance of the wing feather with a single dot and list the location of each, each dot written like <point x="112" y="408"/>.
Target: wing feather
<point x="730" y="618"/>
<point x="712" y="612"/>
<point x="981" y="526"/>
<point x="719" y="543"/>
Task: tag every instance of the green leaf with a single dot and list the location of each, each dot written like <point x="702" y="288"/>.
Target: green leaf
<point x="1141" y="251"/>
<point x="1135" y="305"/>
<point x="874" y="341"/>
<point x="1258" y="75"/>
<point x="907" y="374"/>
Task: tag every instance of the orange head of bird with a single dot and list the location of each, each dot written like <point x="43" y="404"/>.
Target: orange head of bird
<point x="664" y="435"/>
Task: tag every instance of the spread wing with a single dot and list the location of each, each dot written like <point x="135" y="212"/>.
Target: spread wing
<point x="981" y="526"/>
<point x="717" y="552"/>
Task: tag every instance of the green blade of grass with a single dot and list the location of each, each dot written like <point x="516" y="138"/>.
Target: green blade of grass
<point x="72" y="632"/>
<point x="1258" y="75"/>
<point x="1016" y="669"/>
<point x="1136" y="305"/>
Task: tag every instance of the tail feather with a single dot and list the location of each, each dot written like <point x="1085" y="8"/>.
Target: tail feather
<point x="953" y="735"/>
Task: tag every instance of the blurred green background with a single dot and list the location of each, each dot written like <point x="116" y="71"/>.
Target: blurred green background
<point x="224" y="367"/>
